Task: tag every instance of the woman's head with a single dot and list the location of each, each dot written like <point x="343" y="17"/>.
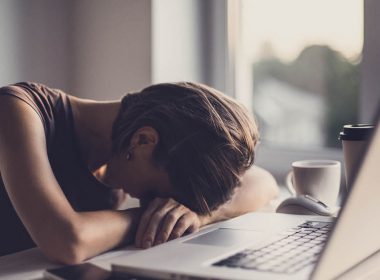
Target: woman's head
<point x="205" y="141"/>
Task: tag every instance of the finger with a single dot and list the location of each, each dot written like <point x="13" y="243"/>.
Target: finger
<point x="192" y="228"/>
<point x="156" y="220"/>
<point x="181" y="226"/>
<point x="145" y="219"/>
<point x="168" y="223"/>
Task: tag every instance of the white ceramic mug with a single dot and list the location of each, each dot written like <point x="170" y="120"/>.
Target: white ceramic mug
<point x="317" y="178"/>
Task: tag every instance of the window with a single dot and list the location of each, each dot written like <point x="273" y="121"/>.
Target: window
<point x="294" y="63"/>
<point x="298" y="63"/>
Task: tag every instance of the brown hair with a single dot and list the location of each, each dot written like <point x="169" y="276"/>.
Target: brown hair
<point x="206" y="139"/>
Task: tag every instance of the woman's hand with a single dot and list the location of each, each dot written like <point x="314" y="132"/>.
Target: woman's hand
<point x="165" y="219"/>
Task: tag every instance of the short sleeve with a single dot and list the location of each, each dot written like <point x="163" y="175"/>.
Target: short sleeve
<point x="40" y="98"/>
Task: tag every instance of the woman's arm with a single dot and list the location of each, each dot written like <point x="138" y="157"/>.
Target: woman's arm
<point x="165" y="218"/>
<point x="62" y="234"/>
<point x="257" y="188"/>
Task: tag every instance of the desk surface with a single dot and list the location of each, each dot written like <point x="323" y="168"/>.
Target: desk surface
<point x="30" y="264"/>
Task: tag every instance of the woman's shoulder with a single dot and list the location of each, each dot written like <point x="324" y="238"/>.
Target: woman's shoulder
<point x="38" y="96"/>
<point x="30" y="88"/>
<point x="48" y="103"/>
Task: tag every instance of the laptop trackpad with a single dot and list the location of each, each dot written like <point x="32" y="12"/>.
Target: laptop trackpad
<point x="226" y="237"/>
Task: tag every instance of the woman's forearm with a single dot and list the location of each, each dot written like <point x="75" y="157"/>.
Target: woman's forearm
<point x="257" y="188"/>
<point x="99" y="231"/>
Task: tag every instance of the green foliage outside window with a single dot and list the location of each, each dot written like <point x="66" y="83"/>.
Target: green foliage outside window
<point x="323" y="71"/>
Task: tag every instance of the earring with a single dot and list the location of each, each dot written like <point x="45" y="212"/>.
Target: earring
<point x="129" y="156"/>
<point x="129" y="153"/>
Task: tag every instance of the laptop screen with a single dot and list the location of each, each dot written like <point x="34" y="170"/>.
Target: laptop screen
<point x="356" y="233"/>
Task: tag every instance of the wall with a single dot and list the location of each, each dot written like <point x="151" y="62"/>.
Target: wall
<point x="177" y="53"/>
<point x="89" y="48"/>
<point x="34" y="41"/>
<point x="112" y="47"/>
<point x="102" y="49"/>
<point x="189" y="42"/>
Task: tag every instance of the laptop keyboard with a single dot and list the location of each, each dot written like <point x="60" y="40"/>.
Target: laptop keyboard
<point x="299" y="248"/>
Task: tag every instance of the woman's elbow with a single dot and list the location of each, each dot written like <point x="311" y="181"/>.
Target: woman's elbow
<point x="69" y="255"/>
<point x="272" y="187"/>
<point x="66" y="248"/>
<point x="260" y="188"/>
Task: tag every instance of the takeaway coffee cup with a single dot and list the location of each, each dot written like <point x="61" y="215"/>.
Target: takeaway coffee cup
<point x="354" y="138"/>
<point x="317" y="178"/>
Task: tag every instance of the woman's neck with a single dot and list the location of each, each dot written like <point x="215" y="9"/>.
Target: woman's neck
<point x="93" y="127"/>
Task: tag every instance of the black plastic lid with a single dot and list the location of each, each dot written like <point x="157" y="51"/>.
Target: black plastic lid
<point x="356" y="132"/>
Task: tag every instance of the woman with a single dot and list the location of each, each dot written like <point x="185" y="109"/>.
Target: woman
<point x="66" y="164"/>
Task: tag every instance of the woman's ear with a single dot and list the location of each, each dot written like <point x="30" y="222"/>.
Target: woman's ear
<point x="144" y="137"/>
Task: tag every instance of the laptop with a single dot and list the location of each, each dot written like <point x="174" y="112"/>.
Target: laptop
<point x="272" y="245"/>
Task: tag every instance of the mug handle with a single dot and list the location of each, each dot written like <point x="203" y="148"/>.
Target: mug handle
<point x="289" y="183"/>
